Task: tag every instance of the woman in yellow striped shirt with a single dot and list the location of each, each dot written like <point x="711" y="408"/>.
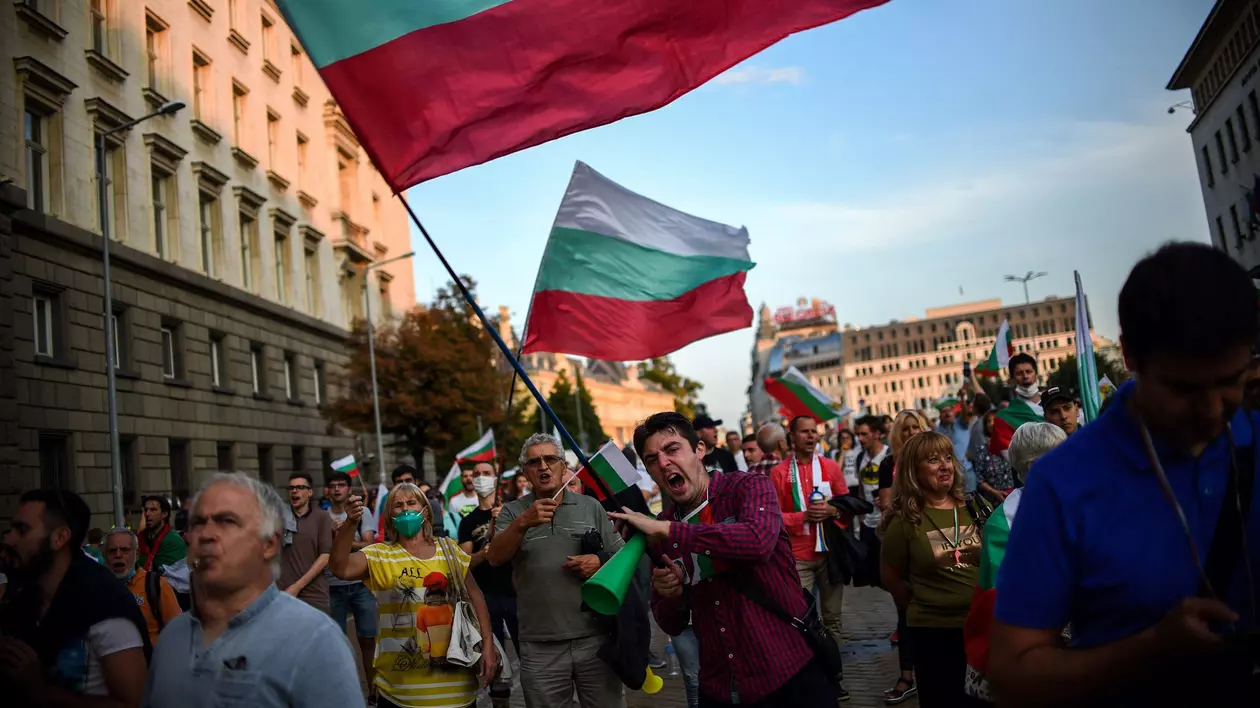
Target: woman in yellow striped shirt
<point x="410" y="575"/>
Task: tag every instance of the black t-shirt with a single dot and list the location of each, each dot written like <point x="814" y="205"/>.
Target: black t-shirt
<point x="885" y="472"/>
<point x="493" y="580"/>
<point x="720" y="458"/>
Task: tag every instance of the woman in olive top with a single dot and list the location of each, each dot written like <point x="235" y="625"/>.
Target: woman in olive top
<point x="930" y="556"/>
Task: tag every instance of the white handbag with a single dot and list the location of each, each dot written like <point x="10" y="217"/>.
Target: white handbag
<point x="465" y="646"/>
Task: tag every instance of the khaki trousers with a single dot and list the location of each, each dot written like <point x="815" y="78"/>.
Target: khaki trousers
<point x="830" y="595"/>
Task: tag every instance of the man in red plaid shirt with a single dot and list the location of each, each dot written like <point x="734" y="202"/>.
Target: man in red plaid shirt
<point x="720" y="533"/>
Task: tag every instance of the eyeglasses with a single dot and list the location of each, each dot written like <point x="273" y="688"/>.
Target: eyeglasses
<point x="535" y="463"/>
<point x="298" y="488"/>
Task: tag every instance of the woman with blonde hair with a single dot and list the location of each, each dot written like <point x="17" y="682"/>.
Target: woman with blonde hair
<point x="908" y="423"/>
<point x="930" y="556"/>
<point x="416" y="579"/>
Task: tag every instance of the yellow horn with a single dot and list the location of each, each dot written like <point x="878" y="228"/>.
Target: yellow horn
<point x="652" y="683"/>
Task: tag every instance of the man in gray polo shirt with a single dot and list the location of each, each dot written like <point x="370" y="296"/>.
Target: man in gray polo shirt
<point x="542" y="539"/>
<point x="246" y="643"/>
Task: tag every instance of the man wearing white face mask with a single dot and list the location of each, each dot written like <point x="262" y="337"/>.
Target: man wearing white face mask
<point x="495" y="581"/>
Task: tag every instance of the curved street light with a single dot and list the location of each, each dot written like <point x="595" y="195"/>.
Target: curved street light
<point x="1024" y="279"/>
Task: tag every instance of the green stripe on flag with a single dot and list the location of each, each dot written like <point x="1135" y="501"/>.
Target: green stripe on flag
<point x="611" y="466"/>
<point x="332" y="30"/>
<point x="588" y="263"/>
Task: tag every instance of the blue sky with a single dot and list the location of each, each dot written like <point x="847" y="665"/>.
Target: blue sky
<point x="882" y="163"/>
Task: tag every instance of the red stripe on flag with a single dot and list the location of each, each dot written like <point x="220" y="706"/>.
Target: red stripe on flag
<point x="623" y="330"/>
<point x="784" y="395"/>
<point x="529" y="71"/>
<point x="592" y="487"/>
<point x="487" y="456"/>
<point x="1002" y="433"/>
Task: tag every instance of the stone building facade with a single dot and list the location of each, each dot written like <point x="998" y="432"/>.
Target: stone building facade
<point x="241" y="231"/>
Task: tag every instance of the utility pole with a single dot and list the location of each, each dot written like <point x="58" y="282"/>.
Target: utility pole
<point x="1024" y="279"/>
<point x="577" y="403"/>
<point x="480" y="431"/>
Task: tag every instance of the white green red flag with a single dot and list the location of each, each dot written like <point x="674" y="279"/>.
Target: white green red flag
<point x="801" y="397"/>
<point x="431" y="87"/>
<point x="949" y="400"/>
<point x="618" y="264"/>
<point x="348" y="465"/>
<point x="1000" y="356"/>
<point x="1008" y="420"/>
<point x="480" y="451"/>
<point x="1087" y="371"/>
<point x="453" y="483"/>
<point x="611" y="467"/>
<point x="382" y="494"/>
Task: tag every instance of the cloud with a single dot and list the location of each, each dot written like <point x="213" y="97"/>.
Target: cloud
<point x="999" y="197"/>
<point x="793" y="75"/>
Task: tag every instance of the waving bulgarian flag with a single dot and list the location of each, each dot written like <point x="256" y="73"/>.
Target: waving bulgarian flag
<point x="800" y="397"/>
<point x="1000" y="356"/>
<point x="480" y="451"/>
<point x="434" y="86"/>
<point x="1008" y="420"/>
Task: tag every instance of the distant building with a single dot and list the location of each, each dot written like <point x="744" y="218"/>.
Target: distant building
<point x="1222" y="71"/>
<point x="621" y="399"/>
<point x="241" y="229"/>
<point x="806" y="337"/>
<point x="911" y="363"/>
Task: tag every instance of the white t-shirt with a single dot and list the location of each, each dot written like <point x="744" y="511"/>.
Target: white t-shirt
<point x="104" y="638"/>
<point x="461" y="504"/>
<point x="648" y="485"/>
<point x="739" y="461"/>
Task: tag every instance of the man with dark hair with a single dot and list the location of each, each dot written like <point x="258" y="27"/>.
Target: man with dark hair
<point x="805" y="482"/>
<point x="1161" y="604"/>
<point x="751" y="451"/>
<point x="351" y="597"/>
<point x="70" y="633"/>
<point x="1023" y="368"/>
<point x="716" y="459"/>
<point x="307" y="543"/>
<point x="1061" y="408"/>
<point x="159" y="544"/>
<point x="724" y="532"/>
<point x="404" y="474"/>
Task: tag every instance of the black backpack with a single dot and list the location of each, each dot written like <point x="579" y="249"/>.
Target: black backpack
<point x="153" y="595"/>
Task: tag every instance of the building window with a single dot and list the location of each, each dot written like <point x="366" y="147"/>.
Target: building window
<point x="1220" y="232"/>
<point x="325" y="459"/>
<point x="321" y="392"/>
<point x="290" y="376"/>
<point x="128" y="455"/>
<point x="299" y="459"/>
<point x="100" y="27"/>
<point x="120" y="323"/>
<point x="218" y="360"/>
<point x="266" y="465"/>
<point x="36" y="161"/>
<point x="273" y="140"/>
<point x="238" y="114"/>
<point x="201" y="87"/>
<point x="208" y="226"/>
<point x="1233" y="217"/>
<point x="311" y="266"/>
<point x="268" y="36"/>
<point x="54" y="462"/>
<point x="257" y="369"/>
<point x="302" y="144"/>
<point x="1233" y="139"/>
<point x="46" y="314"/>
<point x="171" y="355"/>
<point x="1220" y="152"/>
<point x="282" y="268"/>
<point x="225" y="456"/>
<point x="154" y="42"/>
<point x="249" y="240"/>
<point x="180" y="462"/>
<point x="1244" y="131"/>
<point x="295" y="64"/>
<point x="1254" y="105"/>
<point x="162" y="194"/>
<point x="346" y="181"/>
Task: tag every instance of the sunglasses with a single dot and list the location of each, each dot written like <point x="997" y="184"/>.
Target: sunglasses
<point x="535" y="463"/>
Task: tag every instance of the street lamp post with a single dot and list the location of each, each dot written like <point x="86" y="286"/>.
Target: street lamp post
<point x="102" y="194"/>
<point x="1024" y="279"/>
<point x="376" y="401"/>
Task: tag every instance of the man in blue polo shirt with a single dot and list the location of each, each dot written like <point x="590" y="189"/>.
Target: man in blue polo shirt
<point x="1100" y="546"/>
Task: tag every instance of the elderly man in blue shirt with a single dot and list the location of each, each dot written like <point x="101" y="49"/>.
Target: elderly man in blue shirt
<point x="958" y="430"/>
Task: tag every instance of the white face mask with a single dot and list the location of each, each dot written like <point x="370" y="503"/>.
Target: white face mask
<point x="1028" y="392"/>
<point x="483" y="486"/>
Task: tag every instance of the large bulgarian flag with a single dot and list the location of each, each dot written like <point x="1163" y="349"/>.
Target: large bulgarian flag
<point x="480" y="451"/>
<point x="618" y="265"/>
<point x="800" y="397"/>
<point x="433" y="86"/>
<point x="1000" y="356"/>
<point x="1008" y="420"/>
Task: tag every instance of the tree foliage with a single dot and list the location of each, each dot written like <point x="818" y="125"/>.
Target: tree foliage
<point x="436" y="373"/>
<point x="661" y="371"/>
<point x="590" y="434"/>
<point x="1066" y="375"/>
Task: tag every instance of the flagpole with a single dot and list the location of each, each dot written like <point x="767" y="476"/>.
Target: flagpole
<point x="507" y="351"/>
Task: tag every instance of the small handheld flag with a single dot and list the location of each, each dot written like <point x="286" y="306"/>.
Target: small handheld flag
<point x="348" y="465"/>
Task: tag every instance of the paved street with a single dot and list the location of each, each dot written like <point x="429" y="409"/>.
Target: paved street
<point x="870" y="661"/>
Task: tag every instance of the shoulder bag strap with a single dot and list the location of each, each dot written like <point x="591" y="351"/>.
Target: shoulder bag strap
<point x="754" y="593"/>
<point x="452" y="566"/>
<point x="1227" y="545"/>
<point x="153" y="594"/>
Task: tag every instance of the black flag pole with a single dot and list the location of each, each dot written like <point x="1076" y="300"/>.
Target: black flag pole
<point x="507" y="352"/>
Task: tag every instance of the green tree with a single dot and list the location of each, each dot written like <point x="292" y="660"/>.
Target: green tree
<point x="661" y="372"/>
<point x="1066" y="375"/>
<point x="436" y="373"/>
<point x="590" y="434"/>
